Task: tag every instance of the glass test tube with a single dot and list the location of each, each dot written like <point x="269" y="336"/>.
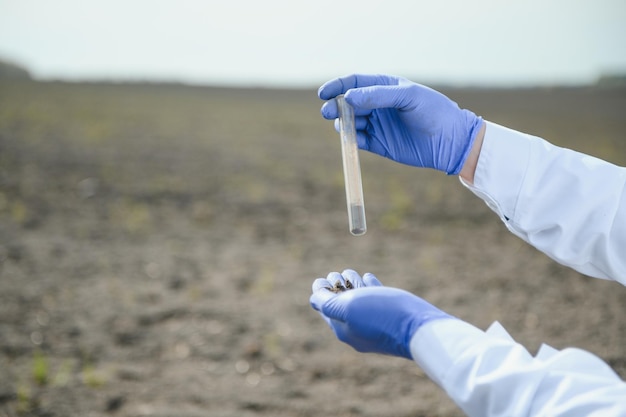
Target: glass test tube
<point x="351" y="168"/>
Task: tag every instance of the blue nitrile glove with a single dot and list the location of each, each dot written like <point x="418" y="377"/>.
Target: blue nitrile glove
<point x="371" y="317"/>
<point x="405" y="121"/>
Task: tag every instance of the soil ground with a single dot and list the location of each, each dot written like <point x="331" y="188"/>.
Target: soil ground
<point x="158" y="243"/>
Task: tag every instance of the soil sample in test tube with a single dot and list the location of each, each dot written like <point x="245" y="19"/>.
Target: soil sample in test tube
<point x="351" y="168"/>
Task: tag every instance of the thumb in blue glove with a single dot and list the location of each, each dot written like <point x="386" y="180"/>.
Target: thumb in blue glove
<point x="404" y="121"/>
<point x="371" y="317"/>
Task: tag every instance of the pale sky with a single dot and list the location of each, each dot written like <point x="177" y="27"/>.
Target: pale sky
<point x="291" y="43"/>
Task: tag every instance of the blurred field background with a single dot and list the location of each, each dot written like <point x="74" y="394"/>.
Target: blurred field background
<point x="158" y="243"/>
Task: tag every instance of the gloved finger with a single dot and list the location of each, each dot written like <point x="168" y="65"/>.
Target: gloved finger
<point x="320" y="297"/>
<point x="363" y="140"/>
<point x="330" y="111"/>
<point x="320" y="283"/>
<point x="352" y="279"/>
<point x="340" y="85"/>
<point x="333" y="308"/>
<point x="370" y="280"/>
<point x="360" y="123"/>
<point x="336" y="280"/>
<point x="385" y="96"/>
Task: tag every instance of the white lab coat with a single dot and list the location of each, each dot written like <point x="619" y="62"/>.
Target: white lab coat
<point x="573" y="208"/>
<point x="488" y="374"/>
<point x="568" y="205"/>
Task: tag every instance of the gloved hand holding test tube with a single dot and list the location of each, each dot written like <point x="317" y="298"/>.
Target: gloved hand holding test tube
<point x="351" y="168"/>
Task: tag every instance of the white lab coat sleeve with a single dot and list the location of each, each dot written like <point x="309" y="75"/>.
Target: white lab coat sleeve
<point x="488" y="374"/>
<point x="569" y="205"/>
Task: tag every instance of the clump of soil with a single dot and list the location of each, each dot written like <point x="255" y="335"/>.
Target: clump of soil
<point x="339" y="287"/>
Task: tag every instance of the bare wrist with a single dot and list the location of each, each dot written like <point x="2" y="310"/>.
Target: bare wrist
<point x="469" y="167"/>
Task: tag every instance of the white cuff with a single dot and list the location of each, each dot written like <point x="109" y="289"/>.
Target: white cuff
<point x="501" y="169"/>
<point x="438" y="344"/>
